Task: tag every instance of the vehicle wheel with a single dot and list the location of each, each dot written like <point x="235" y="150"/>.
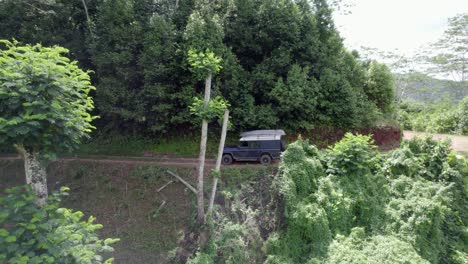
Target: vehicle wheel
<point x="265" y="159"/>
<point x="227" y="159"/>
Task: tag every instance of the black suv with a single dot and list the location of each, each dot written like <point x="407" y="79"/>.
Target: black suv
<point x="259" y="145"/>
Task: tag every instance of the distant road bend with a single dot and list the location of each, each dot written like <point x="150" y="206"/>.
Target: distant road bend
<point x="459" y="143"/>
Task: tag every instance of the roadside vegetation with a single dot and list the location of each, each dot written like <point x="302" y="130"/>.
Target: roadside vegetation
<point x="443" y="118"/>
<point x="49" y="234"/>
<point x="349" y="203"/>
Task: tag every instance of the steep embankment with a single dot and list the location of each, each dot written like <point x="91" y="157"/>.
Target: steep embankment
<point x="135" y="199"/>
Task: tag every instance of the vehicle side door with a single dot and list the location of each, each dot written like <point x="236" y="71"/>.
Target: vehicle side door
<point x="243" y="151"/>
<point x="255" y="150"/>
<point x="272" y="147"/>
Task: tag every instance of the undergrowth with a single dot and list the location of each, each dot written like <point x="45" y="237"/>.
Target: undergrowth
<point x="348" y="204"/>
<point x="177" y="145"/>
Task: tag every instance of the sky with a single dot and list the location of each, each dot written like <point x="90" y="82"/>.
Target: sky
<point x="403" y="25"/>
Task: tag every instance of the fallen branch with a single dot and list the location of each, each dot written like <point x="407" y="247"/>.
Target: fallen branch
<point x="161" y="206"/>
<point x="159" y="209"/>
<point x="183" y="181"/>
<point x="164" y="186"/>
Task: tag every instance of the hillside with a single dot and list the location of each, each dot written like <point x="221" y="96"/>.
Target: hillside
<point x="130" y="200"/>
<point x="421" y="88"/>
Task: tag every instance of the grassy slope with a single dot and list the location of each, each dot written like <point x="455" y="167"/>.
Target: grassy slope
<point x="179" y="145"/>
<point x="125" y="200"/>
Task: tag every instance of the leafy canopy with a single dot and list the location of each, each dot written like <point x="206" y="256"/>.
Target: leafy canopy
<point x="203" y="64"/>
<point x="215" y="108"/>
<point x="44" y="98"/>
<point x="48" y="234"/>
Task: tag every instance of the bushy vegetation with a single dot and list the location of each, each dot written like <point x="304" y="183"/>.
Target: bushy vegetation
<point x="437" y="118"/>
<point x="283" y="61"/>
<point x="48" y="234"/>
<point x="413" y="196"/>
<point x="358" y="248"/>
<point x="353" y="204"/>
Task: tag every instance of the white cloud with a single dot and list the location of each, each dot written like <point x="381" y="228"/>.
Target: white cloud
<point x="405" y="25"/>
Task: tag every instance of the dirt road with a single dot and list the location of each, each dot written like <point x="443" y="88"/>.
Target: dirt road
<point x="459" y="143"/>
<point x="175" y="162"/>
<point x="184" y="162"/>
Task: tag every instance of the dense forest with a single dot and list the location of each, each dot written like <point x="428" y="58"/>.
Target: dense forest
<point x="283" y="61"/>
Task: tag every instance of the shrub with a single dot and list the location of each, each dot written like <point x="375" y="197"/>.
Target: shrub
<point x="48" y="234"/>
<point x="308" y="231"/>
<point x="352" y="156"/>
<point x="299" y="172"/>
<point x="408" y="206"/>
<point x="404" y="119"/>
<point x="443" y="122"/>
<point x="234" y="236"/>
<point x="416" y="213"/>
<point x="402" y="162"/>
<point x="462" y="126"/>
<point x="276" y="259"/>
<point x="431" y="154"/>
<point x="357" y="248"/>
<point x="308" y="234"/>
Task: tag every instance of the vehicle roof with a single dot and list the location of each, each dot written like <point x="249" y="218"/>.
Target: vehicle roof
<point x="262" y="135"/>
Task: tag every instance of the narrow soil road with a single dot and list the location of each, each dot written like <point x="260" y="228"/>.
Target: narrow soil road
<point x="171" y="162"/>
<point x="459" y="143"/>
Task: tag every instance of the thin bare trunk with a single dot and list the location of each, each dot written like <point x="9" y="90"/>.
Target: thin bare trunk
<point x="35" y="172"/>
<point x="88" y="19"/>
<point x="218" y="161"/>
<point x="201" y="158"/>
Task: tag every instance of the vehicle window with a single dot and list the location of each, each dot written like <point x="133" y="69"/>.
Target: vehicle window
<point x="254" y="144"/>
<point x="243" y="144"/>
<point x="270" y="144"/>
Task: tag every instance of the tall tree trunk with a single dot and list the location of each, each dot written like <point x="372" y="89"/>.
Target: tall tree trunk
<point x="36" y="175"/>
<point x="88" y="19"/>
<point x="218" y="161"/>
<point x="201" y="158"/>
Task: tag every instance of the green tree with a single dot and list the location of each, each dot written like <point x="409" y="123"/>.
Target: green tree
<point x="448" y="55"/>
<point x="138" y="51"/>
<point x="296" y="100"/>
<point x="161" y="90"/>
<point x="45" y="105"/>
<point x="203" y="65"/>
<point x="58" y="22"/>
<point x="115" y="54"/>
<point x="380" y="87"/>
<point x="203" y="37"/>
<point x="48" y="234"/>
